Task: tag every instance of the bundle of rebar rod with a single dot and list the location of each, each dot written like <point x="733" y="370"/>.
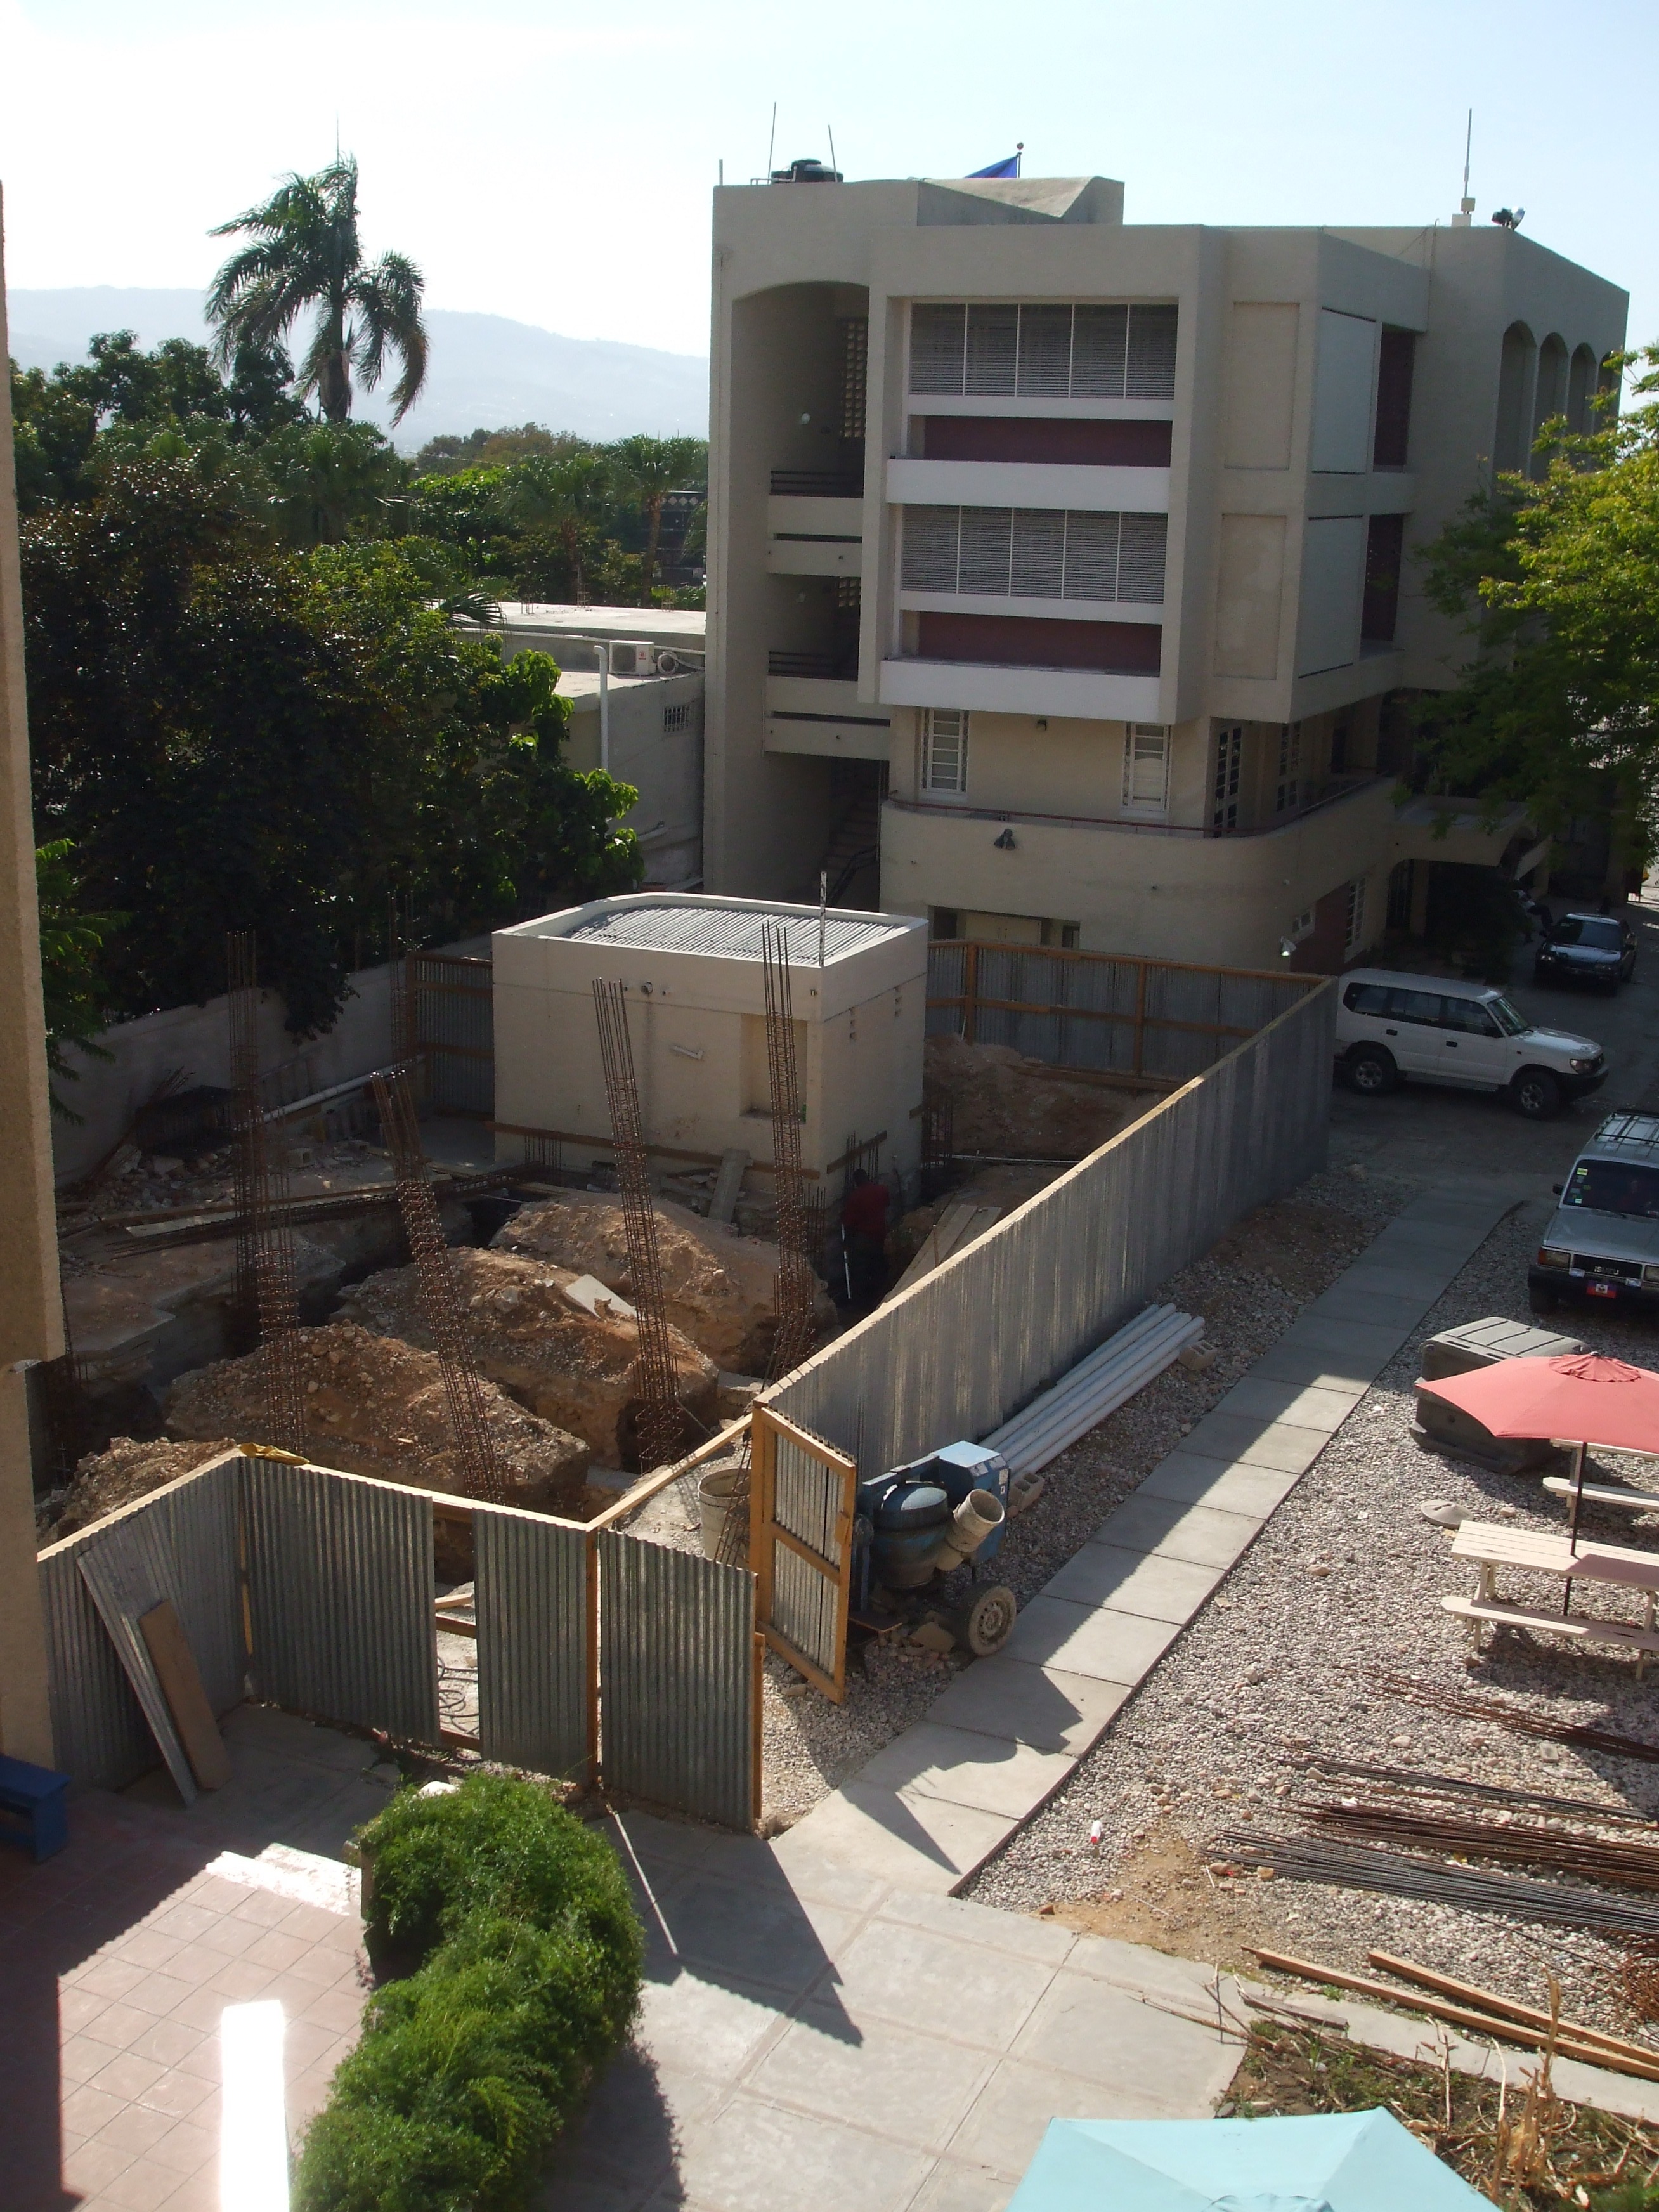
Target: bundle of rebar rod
<point x="439" y="1301"/>
<point x="661" y="1421"/>
<point x="1351" y="1866"/>
<point x="1413" y="1784"/>
<point x="267" y="1291"/>
<point x="1606" y="1740"/>
<point x="1635" y="1866"/>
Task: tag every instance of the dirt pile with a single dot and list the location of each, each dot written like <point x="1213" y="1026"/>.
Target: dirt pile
<point x="720" y="1286"/>
<point x="572" y="1367"/>
<point x="375" y="1406"/>
<point x="1007" y="1106"/>
<point x="129" y="1469"/>
<point x="1004" y="1187"/>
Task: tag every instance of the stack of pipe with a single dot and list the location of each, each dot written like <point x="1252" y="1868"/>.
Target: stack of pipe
<point x="1096" y="1386"/>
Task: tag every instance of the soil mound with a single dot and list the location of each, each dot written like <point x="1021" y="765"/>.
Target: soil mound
<point x="572" y="1367"/>
<point x="129" y="1469"/>
<point x="1009" y="1107"/>
<point x="720" y="1287"/>
<point x="375" y="1406"/>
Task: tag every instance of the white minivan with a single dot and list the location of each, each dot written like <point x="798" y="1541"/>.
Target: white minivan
<point x="1434" y="1029"/>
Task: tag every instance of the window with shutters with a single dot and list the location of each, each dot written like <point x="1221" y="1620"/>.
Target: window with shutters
<point x="1353" y="928"/>
<point x="1288" y="788"/>
<point x="1001" y="348"/>
<point x="1229" y="759"/>
<point x="945" y="751"/>
<point x="1147" y="769"/>
<point x="1035" y="553"/>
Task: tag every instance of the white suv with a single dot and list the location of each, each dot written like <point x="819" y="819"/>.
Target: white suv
<point x="1435" y="1029"/>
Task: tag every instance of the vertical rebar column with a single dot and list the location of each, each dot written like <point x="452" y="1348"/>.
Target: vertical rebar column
<point x="662" y="1420"/>
<point x="797" y="1283"/>
<point x="439" y="1301"/>
<point x="267" y="1292"/>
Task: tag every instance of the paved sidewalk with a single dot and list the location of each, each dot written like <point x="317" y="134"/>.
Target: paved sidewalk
<point x="931" y="1806"/>
<point x="814" y="2036"/>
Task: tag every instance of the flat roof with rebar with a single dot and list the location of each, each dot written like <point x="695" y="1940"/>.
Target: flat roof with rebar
<point x="734" y="932"/>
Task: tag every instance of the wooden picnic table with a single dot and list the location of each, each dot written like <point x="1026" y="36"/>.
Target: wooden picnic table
<point x="1493" y="1548"/>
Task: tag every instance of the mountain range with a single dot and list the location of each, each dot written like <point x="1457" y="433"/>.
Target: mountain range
<point x="484" y="371"/>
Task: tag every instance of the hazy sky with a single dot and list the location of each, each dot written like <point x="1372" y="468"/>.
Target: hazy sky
<point x="553" y="162"/>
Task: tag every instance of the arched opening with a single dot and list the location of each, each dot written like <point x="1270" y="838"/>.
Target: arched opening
<point x="1582" y="383"/>
<point x="1516" y="375"/>
<point x="1549" y="393"/>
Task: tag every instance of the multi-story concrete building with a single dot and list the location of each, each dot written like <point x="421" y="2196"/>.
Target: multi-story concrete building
<point x="1061" y="576"/>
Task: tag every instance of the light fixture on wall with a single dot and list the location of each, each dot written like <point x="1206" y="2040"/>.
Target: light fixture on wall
<point x="1286" y="947"/>
<point x="1040" y="723"/>
<point x="1006" y="842"/>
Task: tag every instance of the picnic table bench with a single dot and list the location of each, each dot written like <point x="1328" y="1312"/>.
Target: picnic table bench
<point x="1493" y="1548"/>
<point x="1605" y="1494"/>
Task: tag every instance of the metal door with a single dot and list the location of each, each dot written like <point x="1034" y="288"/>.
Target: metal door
<point x="801" y="1547"/>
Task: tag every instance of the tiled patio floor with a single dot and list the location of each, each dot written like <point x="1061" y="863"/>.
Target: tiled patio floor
<point x="117" y="1957"/>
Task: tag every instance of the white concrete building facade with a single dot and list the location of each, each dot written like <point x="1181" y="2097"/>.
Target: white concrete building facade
<point x="1066" y="563"/>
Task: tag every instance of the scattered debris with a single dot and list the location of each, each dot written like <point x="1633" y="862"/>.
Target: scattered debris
<point x="129" y="1469"/>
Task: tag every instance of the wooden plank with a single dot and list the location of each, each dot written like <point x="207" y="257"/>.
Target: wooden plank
<point x="956" y="1228"/>
<point x="188" y="1701"/>
<point x="1478" y="2023"/>
<point x="1407" y="1971"/>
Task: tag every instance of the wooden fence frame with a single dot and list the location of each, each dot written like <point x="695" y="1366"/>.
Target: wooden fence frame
<point x="765" y="1531"/>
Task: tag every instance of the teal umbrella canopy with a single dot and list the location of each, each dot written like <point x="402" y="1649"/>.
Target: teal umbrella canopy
<point x="1328" y="2162"/>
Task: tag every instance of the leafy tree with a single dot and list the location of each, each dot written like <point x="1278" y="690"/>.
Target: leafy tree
<point x="650" y="468"/>
<point x="565" y="494"/>
<point x="308" y="254"/>
<point x="70" y="943"/>
<point x="1557" y="580"/>
<point x="236" y="735"/>
<point x="330" y="480"/>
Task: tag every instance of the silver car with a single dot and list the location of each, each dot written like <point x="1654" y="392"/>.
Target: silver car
<point x="1601" y="1245"/>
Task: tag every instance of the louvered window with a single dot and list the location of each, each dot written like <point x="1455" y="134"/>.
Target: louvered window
<point x="936" y="338"/>
<point x="1288" y="788"/>
<point x="982" y="565"/>
<point x="1140" y="560"/>
<point x="992" y="348"/>
<point x="930" y="548"/>
<point x="1039" y="565"/>
<point x="1035" y="553"/>
<point x="1229" y="761"/>
<point x="1353" y="915"/>
<point x="1147" y="769"/>
<point x="1044" y="352"/>
<point x="854" y="377"/>
<point x="1092" y="557"/>
<point x="945" y="751"/>
<point x="1100" y="345"/>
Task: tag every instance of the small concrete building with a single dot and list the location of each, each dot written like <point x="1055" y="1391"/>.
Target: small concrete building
<point x="697" y="1011"/>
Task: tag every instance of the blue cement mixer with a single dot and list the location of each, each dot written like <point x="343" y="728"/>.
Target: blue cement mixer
<point x="920" y="1525"/>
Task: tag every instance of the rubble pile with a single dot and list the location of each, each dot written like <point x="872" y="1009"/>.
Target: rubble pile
<point x="1006" y="1107"/>
<point x="569" y="1363"/>
<point x="129" y="1469"/>
<point x="375" y="1406"/>
<point x="720" y="1287"/>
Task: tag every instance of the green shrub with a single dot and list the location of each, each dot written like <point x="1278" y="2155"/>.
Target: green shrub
<point x="527" y="1954"/>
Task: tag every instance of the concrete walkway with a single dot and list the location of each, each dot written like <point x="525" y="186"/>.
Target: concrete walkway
<point x="817" y="2037"/>
<point x="933" y="1805"/>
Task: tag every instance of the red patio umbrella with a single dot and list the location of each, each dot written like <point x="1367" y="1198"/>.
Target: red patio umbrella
<point x="1582" y="1398"/>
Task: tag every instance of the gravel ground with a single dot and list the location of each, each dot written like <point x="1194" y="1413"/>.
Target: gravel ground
<point x="1343" y="1585"/>
<point x="1250" y="1288"/>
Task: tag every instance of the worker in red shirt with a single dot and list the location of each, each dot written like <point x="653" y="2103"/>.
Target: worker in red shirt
<point x="864" y="1233"/>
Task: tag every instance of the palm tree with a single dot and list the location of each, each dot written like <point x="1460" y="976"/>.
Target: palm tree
<point x="562" y="492"/>
<point x="307" y="255"/>
<point x="650" y="469"/>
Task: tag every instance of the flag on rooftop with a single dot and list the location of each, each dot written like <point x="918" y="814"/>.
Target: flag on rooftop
<point x="1008" y="168"/>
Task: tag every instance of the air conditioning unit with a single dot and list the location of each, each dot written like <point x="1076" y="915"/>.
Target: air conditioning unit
<point x="675" y="661"/>
<point x="629" y="656"/>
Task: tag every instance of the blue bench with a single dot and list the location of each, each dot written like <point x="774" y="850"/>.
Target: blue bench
<point x="32" y="1809"/>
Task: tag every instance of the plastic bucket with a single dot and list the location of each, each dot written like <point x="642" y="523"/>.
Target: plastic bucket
<point x="714" y="1492"/>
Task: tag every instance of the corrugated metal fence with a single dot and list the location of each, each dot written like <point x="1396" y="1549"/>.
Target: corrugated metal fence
<point x="455" y="1029"/>
<point x="315" y="1589"/>
<point x="966" y="1346"/>
<point x="1091" y="1010"/>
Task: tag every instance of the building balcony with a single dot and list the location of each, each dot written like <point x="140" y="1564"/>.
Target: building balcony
<point x="817" y="665"/>
<point x="814" y="556"/>
<point x="825" y="716"/>
<point x="817" y="483"/>
<point x="1078" y="487"/>
<point x="1332" y="796"/>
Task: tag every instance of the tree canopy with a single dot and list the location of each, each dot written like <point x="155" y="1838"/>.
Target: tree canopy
<point x="1557" y="580"/>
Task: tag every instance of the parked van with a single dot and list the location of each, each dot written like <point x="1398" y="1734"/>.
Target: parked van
<point x="1603" y="1240"/>
<point x="1433" y="1028"/>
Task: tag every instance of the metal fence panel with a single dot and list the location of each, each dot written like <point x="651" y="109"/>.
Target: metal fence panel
<point x="530" y="1601"/>
<point x="341" y="1596"/>
<point x="455" y="1030"/>
<point x="677" y="1680"/>
<point x="100" y="1734"/>
<point x="965" y="1348"/>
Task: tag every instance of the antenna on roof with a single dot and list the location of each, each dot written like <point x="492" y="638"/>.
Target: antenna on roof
<point x="772" y="143"/>
<point x="1460" y="220"/>
<point x="830" y="128"/>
